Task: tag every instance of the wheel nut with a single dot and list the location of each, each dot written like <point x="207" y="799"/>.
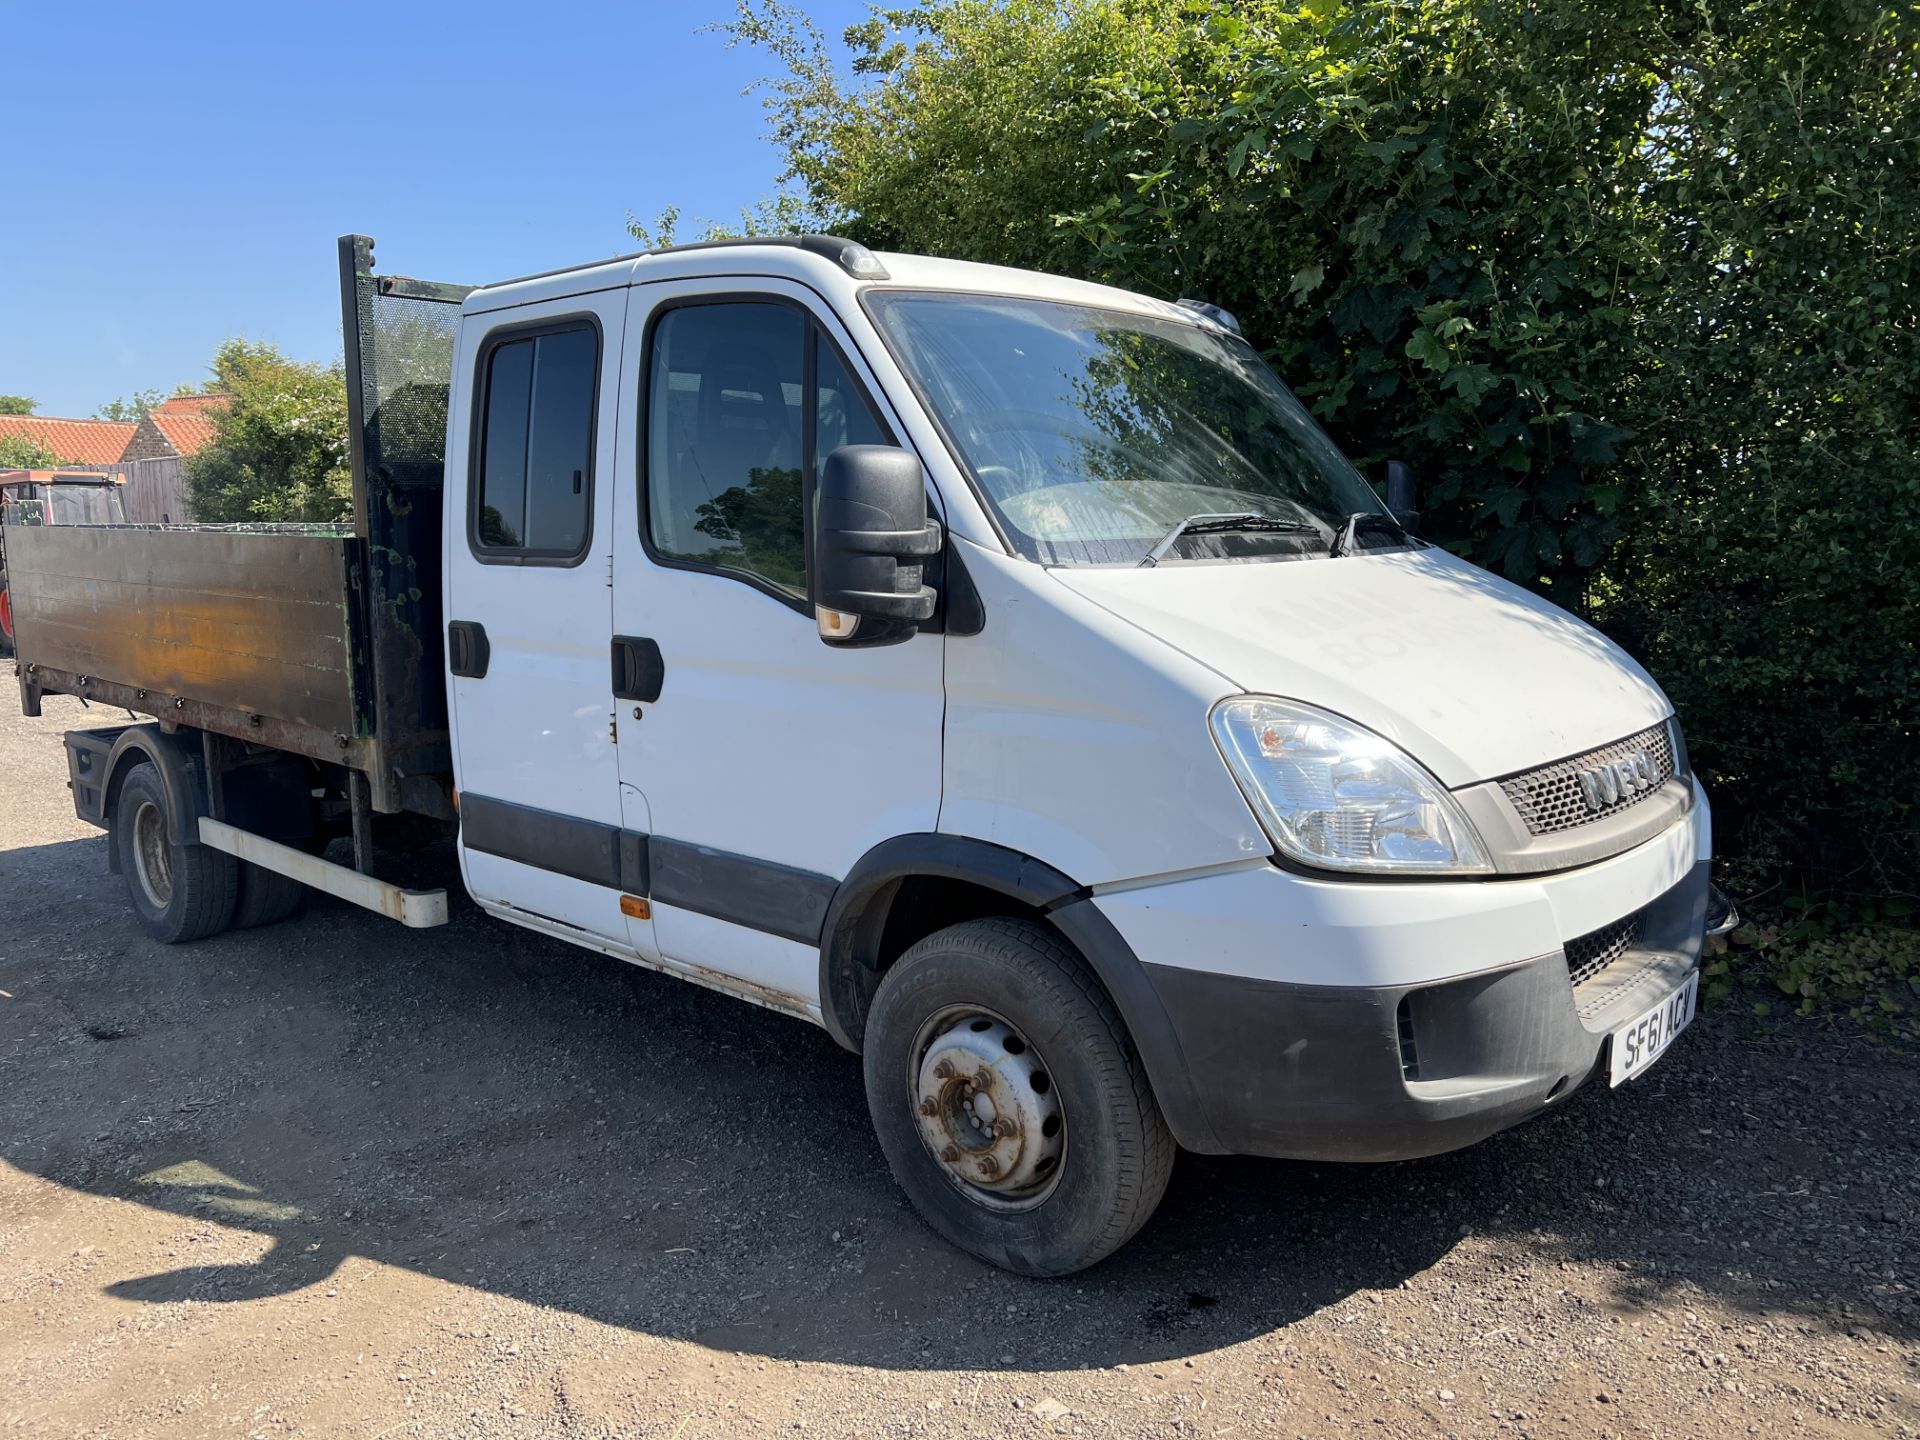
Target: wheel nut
<point x="929" y="1106"/>
<point x="983" y="1079"/>
<point x="1005" y="1128"/>
<point x="950" y="1154"/>
<point x="943" y="1070"/>
<point x="989" y="1166"/>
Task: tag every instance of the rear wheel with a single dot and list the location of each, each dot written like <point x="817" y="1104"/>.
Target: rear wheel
<point x="178" y="892"/>
<point x="265" y="897"/>
<point x="1008" y="1102"/>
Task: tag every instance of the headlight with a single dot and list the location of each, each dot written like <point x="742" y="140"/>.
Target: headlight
<point x="1339" y="797"/>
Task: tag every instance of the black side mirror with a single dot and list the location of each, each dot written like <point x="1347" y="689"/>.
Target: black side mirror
<point x="870" y="544"/>
<point x="1400" y="496"/>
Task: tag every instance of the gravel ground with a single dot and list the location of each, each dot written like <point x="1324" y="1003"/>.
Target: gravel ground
<point x="332" y="1177"/>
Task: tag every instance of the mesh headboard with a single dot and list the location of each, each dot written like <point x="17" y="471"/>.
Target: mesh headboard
<point x="399" y="337"/>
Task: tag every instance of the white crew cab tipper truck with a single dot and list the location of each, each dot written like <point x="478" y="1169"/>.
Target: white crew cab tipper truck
<point x="1001" y="671"/>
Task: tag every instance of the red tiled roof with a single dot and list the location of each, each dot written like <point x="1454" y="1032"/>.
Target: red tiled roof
<point x="188" y="421"/>
<point x="73" y="442"/>
<point x="186" y="433"/>
<point x="192" y="405"/>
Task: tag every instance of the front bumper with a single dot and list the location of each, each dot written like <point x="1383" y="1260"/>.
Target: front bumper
<point x="1435" y="1053"/>
<point x="1343" y="1072"/>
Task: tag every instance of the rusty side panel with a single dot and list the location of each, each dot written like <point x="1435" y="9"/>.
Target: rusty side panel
<point x="175" y="712"/>
<point x="228" y="625"/>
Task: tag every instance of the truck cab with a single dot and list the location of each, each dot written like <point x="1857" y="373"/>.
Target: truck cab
<point x="1005" y="673"/>
<point x="1357" y="851"/>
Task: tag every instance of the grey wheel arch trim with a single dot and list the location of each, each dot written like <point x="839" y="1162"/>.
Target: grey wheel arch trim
<point x="851" y="936"/>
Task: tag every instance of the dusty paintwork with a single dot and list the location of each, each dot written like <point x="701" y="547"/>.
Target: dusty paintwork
<point x="741" y="989"/>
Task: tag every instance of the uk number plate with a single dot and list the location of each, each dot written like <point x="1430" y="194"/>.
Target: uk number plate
<point x="1639" y="1043"/>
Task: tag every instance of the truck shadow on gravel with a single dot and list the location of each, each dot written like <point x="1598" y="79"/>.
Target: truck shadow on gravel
<point x="502" y="1111"/>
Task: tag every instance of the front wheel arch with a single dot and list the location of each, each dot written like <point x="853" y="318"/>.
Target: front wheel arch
<point x="857" y="943"/>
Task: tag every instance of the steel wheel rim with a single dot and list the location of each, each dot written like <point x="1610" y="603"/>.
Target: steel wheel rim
<point x="1001" y="1143"/>
<point x="152" y="855"/>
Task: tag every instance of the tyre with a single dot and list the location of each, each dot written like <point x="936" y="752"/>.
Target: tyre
<point x="178" y="892"/>
<point x="265" y="897"/>
<point x="1008" y="1102"/>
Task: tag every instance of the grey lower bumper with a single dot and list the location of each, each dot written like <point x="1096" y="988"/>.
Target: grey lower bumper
<point x="1357" y="1073"/>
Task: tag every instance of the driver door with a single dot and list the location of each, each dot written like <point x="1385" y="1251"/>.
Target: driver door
<point x="769" y="761"/>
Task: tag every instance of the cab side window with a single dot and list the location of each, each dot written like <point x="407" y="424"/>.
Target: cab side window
<point x="745" y="399"/>
<point x="533" y="498"/>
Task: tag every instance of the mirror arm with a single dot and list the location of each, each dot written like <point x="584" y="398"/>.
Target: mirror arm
<point x="1400" y="496"/>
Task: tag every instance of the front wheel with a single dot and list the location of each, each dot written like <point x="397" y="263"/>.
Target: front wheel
<point x="1011" y="1109"/>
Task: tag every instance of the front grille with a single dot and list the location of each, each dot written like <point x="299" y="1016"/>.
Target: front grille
<point x="1549" y="799"/>
<point x="1589" y="954"/>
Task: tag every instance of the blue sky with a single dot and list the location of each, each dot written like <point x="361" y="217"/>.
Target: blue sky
<point x="173" y="175"/>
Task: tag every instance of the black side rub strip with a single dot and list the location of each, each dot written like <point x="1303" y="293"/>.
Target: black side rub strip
<point x="590" y="850"/>
<point x="759" y="894"/>
<point x="779" y="899"/>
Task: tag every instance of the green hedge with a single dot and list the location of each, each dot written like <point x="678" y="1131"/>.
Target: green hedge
<point x="1631" y="285"/>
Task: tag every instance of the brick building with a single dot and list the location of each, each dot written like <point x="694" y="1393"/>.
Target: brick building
<point x="178" y="426"/>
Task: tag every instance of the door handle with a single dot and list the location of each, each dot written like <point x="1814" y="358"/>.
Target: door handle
<point x="467" y="649"/>
<point x="638" y="670"/>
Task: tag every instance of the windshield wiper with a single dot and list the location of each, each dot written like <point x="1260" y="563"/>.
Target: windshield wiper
<point x="1364" y="520"/>
<point x="1208" y="524"/>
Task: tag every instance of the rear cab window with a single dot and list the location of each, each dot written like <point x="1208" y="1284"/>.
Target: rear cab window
<point x="533" y="499"/>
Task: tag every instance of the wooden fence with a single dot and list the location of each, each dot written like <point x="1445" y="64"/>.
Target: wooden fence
<point x="155" y="492"/>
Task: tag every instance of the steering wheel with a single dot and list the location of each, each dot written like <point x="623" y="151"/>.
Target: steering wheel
<point x="1014" y="420"/>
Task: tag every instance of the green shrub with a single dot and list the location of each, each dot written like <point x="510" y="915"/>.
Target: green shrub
<point x="1861" y="959"/>
<point x="17" y="452"/>
<point x="280" y="451"/>
<point x="1633" y="286"/>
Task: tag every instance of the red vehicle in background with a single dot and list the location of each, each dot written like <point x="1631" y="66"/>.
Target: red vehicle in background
<point x="51" y="497"/>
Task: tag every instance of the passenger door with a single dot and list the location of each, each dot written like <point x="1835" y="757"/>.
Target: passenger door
<point x="529" y="606"/>
<point x="770" y="762"/>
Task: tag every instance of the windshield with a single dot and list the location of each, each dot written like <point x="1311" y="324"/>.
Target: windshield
<point x="1093" y="432"/>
